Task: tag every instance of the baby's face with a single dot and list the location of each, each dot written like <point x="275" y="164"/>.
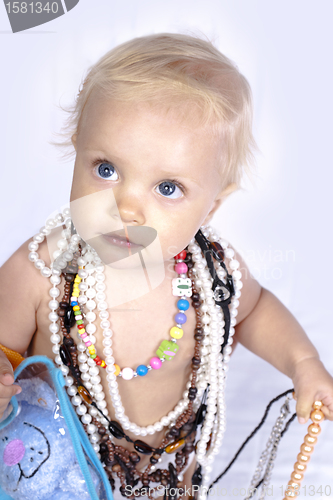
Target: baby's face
<point x="141" y="174"/>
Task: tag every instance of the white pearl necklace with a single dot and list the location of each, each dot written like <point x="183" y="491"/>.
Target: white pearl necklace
<point x="215" y="422"/>
<point x="212" y="370"/>
<point x="165" y="421"/>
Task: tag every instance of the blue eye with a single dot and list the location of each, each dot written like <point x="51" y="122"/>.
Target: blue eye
<point x="106" y="171"/>
<point x="169" y="190"/>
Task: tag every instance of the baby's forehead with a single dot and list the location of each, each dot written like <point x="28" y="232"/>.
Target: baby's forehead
<point x="181" y="111"/>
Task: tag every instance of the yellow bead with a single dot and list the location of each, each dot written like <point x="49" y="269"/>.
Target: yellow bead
<point x="77" y="279"/>
<point x="76" y="308"/>
<point x="176" y="332"/>
<point x="117" y="370"/>
<point x="75" y="294"/>
<point x="82" y="330"/>
<point x="91" y="348"/>
<point x="103" y="364"/>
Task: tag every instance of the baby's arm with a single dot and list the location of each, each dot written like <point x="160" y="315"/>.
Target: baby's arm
<point x="268" y="329"/>
<point x="19" y="299"/>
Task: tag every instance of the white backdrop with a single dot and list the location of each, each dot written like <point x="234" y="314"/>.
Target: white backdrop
<point x="280" y="222"/>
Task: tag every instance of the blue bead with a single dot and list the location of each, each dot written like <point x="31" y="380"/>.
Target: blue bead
<point x="180" y="318"/>
<point x="183" y="304"/>
<point x="74" y="303"/>
<point x="142" y="370"/>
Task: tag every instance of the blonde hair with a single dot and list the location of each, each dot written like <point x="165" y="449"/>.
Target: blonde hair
<point x="167" y="70"/>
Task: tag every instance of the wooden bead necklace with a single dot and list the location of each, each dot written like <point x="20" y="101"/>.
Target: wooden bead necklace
<point x="117" y="459"/>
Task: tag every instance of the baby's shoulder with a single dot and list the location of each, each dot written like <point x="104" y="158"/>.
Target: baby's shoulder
<point x="22" y="288"/>
<point x="20" y="278"/>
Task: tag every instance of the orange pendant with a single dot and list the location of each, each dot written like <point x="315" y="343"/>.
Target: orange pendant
<point x="84" y="394"/>
<point x="172" y="447"/>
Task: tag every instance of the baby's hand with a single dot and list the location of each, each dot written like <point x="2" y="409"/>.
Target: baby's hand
<point x="312" y="382"/>
<point x="7" y="387"/>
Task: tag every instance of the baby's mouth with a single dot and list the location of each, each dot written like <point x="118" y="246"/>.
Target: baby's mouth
<point x="130" y="240"/>
<point x="121" y="241"/>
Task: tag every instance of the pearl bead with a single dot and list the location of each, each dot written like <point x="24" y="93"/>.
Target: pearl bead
<point x="46" y="272"/>
<point x="76" y="400"/>
<point x="82" y="358"/>
<point x="91" y="293"/>
<point x="104" y="315"/>
<point x="53" y="304"/>
<point x="82" y="273"/>
<point x="33" y="246"/>
<point x="33" y="256"/>
<point x="94" y="371"/>
<point x="69" y="381"/>
<point x="100" y="287"/>
<point x="39" y="238"/>
<point x="90" y="328"/>
<point x="53" y="316"/>
<point x="86" y="419"/>
<point x="90" y="316"/>
<point x="55" y="338"/>
<point x="91" y="304"/>
<point x="81" y="410"/>
<point x="91" y="428"/>
<point x="95" y="379"/>
<point x="64" y="370"/>
<point x="101" y="404"/>
<point x="54" y="292"/>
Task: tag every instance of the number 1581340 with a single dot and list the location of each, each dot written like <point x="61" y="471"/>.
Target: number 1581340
<point x="31" y="7"/>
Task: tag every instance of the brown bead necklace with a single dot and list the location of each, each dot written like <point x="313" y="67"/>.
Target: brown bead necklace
<point x="178" y="439"/>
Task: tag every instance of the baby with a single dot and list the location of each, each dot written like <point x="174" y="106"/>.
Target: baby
<point x="161" y="131"/>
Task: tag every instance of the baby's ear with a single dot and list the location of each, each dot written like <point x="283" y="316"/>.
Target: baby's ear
<point x="73" y="139"/>
<point x="227" y="191"/>
<point x="219" y="200"/>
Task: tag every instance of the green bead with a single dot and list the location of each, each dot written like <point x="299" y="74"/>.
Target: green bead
<point x="76" y="313"/>
<point x="80" y="322"/>
<point x="167" y="350"/>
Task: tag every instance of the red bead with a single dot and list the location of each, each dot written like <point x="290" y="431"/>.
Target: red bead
<point x="97" y="359"/>
<point x="98" y="362"/>
<point x="80" y="327"/>
<point x="181" y="255"/>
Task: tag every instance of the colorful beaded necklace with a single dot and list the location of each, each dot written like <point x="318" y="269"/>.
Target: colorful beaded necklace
<point x="167" y="348"/>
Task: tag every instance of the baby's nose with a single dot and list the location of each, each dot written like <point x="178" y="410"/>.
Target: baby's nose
<point x="14" y="452"/>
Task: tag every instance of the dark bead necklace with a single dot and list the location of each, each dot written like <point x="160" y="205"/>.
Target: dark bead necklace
<point x="179" y="439"/>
